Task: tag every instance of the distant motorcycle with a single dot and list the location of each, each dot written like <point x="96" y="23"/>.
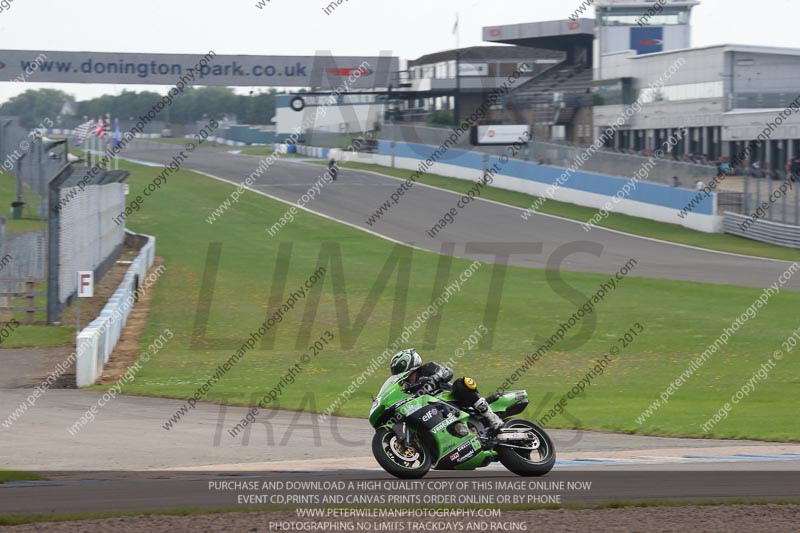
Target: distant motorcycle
<point x="333" y="169"/>
<point x="416" y="433"/>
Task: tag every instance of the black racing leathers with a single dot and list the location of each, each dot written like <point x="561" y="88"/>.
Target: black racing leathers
<point x="433" y="376"/>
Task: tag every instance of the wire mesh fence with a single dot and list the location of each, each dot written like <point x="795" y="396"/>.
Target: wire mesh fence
<point x="26" y="155"/>
<point x="88" y="234"/>
<point x="26" y="166"/>
<point x="87" y="237"/>
<point x="773" y="196"/>
<point x="23" y="258"/>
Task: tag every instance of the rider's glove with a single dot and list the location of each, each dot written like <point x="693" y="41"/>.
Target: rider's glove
<point x="423" y="384"/>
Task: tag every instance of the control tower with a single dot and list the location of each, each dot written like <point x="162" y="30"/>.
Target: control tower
<point x="646" y="26"/>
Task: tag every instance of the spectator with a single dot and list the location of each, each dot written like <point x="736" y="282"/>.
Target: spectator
<point x="796" y="166"/>
<point x="699" y="185"/>
<point x="675" y="181"/>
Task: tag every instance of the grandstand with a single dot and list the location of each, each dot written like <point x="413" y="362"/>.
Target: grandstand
<point x="430" y="83"/>
<point x="557" y="102"/>
<point x="556" y="98"/>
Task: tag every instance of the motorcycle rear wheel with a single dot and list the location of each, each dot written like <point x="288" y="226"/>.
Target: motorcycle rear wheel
<point x="522" y="462"/>
<point x="405" y="463"/>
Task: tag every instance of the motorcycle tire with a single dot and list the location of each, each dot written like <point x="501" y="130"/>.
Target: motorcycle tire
<point x="520" y="463"/>
<point x="386" y="452"/>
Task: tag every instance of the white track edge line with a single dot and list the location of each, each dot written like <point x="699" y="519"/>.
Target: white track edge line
<point x="323" y="215"/>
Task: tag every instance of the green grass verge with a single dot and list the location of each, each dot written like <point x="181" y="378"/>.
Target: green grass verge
<point x="267" y="150"/>
<point x="19" y="519"/>
<point x="680" y="318"/>
<point x="40" y="337"/>
<point x="7" y="476"/>
<point x="25" y="225"/>
<point x="616" y="221"/>
<point x="257" y="150"/>
<point x="8" y="193"/>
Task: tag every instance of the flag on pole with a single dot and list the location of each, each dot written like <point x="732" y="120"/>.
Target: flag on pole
<point x="81" y="132"/>
<point x="98" y="128"/>
<point x="116" y="139"/>
<point x="455" y="28"/>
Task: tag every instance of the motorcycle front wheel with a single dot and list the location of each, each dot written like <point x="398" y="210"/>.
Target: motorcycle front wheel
<point x="405" y="463"/>
<point x="529" y="459"/>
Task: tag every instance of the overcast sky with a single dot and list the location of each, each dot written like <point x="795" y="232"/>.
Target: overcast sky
<point x="408" y="29"/>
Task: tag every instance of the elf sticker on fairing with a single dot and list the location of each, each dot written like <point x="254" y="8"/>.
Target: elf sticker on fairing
<point x="430" y="414"/>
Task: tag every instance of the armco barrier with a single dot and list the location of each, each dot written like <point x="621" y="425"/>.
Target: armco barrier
<point x="762" y="230"/>
<point x="649" y="200"/>
<point x="97" y="341"/>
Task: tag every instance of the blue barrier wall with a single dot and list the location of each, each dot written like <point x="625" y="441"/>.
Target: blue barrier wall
<point x="649" y="193"/>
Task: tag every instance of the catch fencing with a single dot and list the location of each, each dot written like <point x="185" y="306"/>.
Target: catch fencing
<point x="28" y="252"/>
<point x="25" y="156"/>
<point x="24" y="258"/>
<point x="85" y="238"/>
<point x="88" y="236"/>
<point x="761" y="188"/>
<point x="26" y="163"/>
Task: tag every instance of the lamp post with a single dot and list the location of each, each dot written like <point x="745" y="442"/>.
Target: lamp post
<point x="53" y="229"/>
<point x="457" y="100"/>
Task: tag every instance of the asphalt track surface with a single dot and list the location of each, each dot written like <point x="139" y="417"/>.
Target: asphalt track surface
<point x="355" y="196"/>
<point x="125" y="460"/>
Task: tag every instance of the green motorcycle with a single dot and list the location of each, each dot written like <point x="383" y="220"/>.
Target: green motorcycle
<point x="419" y="430"/>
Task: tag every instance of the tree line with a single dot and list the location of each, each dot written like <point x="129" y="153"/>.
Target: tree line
<point x="195" y="104"/>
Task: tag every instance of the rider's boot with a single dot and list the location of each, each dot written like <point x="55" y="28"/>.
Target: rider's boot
<point x="494" y="421"/>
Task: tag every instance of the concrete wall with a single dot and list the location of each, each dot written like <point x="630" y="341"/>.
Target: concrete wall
<point x="98" y="340"/>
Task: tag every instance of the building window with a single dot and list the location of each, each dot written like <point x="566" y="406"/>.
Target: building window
<point x="689" y="91"/>
<point x="670" y="19"/>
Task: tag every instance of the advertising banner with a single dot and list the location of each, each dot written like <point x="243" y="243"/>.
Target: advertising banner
<point x="500" y="135"/>
<point x="322" y="71"/>
<point x="647" y="40"/>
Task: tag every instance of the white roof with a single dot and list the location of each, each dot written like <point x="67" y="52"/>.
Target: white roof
<point x="728" y="48"/>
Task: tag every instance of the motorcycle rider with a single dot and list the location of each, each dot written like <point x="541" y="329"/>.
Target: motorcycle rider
<point x="433" y="375"/>
<point x="333" y="169"/>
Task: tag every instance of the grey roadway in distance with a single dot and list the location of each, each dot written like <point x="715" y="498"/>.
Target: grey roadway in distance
<point x="357" y="194"/>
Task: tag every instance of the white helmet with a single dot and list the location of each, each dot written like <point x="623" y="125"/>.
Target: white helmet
<point x="404" y="361"/>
